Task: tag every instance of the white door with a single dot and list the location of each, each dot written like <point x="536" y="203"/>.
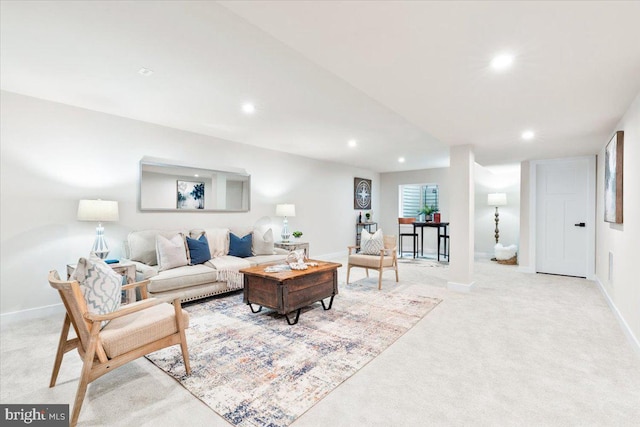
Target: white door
<point x="565" y="216"/>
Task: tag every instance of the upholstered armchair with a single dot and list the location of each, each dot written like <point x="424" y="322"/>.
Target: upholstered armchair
<point x="385" y="259"/>
<point x="132" y="331"/>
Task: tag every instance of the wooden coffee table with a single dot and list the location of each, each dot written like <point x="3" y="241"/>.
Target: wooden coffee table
<point x="288" y="291"/>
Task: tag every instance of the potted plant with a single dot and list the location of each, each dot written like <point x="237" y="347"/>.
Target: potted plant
<point x="368" y="216"/>
<point x="426" y="211"/>
<point x="297" y="234"/>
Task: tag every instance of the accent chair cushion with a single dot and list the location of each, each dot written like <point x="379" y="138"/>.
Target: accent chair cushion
<point x="100" y="285"/>
<point x="240" y="246"/>
<point x="198" y="250"/>
<point x="371" y="244"/>
<point x="263" y="241"/>
<point x="171" y="252"/>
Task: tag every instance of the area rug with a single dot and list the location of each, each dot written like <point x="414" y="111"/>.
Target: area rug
<point x="421" y="262"/>
<point x="256" y="370"/>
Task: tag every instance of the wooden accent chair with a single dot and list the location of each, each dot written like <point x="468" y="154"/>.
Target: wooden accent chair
<point x="387" y="260"/>
<point x="133" y="330"/>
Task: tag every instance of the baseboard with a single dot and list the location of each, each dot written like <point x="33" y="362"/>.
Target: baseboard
<point x="460" y="287"/>
<point x="526" y="269"/>
<point x="334" y="255"/>
<point x="483" y="255"/>
<point x="7" y="319"/>
<point x="633" y="340"/>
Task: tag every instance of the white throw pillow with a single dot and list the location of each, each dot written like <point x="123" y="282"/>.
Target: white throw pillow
<point x="371" y="244"/>
<point x="263" y="241"/>
<point x="171" y="252"/>
<point x="218" y="239"/>
<point x="100" y="285"/>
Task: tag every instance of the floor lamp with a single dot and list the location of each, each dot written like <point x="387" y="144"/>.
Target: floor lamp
<point x="497" y="199"/>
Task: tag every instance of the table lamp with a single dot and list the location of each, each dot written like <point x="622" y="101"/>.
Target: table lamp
<point x="285" y="211"/>
<point x="497" y="199"/>
<point x="100" y="211"/>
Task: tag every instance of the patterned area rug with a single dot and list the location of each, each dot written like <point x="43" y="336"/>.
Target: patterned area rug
<point x="256" y="370"/>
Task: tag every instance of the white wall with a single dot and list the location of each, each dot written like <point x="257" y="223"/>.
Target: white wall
<point x="505" y="179"/>
<point x="622" y="240"/>
<point x="53" y="155"/>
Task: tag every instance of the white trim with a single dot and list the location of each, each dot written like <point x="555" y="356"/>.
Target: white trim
<point x="461" y="287"/>
<point x="7" y="319"/>
<point x="635" y="344"/>
<point x="333" y="255"/>
<point x="526" y="269"/>
<point x="591" y="219"/>
<point x="483" y="255"/>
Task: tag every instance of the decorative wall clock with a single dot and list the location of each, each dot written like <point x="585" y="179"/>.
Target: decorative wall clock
<point x="361" y="193"/>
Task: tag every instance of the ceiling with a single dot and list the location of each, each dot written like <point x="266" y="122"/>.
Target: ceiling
<point x="404" y="79"/>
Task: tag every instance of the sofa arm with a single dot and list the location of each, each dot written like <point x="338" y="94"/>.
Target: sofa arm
<point x="144" y="271"/>
<point x="280" y="251"/>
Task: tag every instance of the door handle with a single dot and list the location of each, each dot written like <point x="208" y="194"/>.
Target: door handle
<point x="580" y="224"/>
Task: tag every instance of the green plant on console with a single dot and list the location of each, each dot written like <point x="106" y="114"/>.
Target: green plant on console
<point x="427" y="210"/>
<point x="297" y="234"/>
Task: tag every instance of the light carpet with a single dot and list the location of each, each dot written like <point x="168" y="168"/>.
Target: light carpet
<point x="256" y="370"/>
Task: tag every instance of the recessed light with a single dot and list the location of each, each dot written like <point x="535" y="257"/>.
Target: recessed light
<point x="145" y="72"/>
<point x="502" y="62"/>
<point x="401" y="159"/>
<point x="528" y="135"/>
<point x="352" y="143"/>
<point x="249" y="108"/>
<point x="196" y="175"/>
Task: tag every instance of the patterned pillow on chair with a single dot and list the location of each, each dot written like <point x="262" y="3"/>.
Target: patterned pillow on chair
<point x="100" y="285"/>
<point x="371" y="244"/>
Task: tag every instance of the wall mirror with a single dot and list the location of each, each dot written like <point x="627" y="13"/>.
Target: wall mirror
<point x="169" y="186"/>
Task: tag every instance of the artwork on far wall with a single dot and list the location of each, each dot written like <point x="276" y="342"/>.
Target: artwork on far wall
<point x="361" y="193"/>
<point x="613" y="162"/>
<point x="190" y="195"/>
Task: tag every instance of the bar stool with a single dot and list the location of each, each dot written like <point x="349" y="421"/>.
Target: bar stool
<point x="444" y="237"/>
<point x="401" y="234"/>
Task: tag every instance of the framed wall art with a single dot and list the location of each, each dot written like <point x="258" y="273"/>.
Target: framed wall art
<point x="190" y="195"/>
<point x="361" y="193"/>
<point x="613" y="164"/>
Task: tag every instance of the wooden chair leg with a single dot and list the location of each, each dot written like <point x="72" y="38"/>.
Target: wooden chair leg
<point x="348" y="271"/>
<point x="380" y="279"/>
<point x="367" y="270"/>
<point x="397" y="280"/>
<point x="61" y="350"/>
<point x="87" y="365"/>
<point x="183" y="338"/>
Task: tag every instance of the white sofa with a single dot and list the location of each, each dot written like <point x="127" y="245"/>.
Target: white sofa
<point x="191" y="282"/>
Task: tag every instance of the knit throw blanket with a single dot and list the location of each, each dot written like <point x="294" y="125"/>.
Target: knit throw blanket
<point x="228" y="270"/>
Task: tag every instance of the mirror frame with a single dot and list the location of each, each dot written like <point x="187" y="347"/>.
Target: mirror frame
<point x="175" y="167"/>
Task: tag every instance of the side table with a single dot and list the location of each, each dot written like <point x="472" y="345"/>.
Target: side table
<point x="294" y="246"/>
<point x="125" y="269"/>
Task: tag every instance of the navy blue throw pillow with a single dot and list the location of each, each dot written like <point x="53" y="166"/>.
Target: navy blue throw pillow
<point x="199" y="250"/>
<point x="240" y="246"/>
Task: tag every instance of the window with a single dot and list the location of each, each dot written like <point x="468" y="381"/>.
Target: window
<point x="414" y="196"/>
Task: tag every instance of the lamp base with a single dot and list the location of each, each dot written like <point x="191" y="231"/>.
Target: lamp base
<point x="100" y="248"/>
<point x="284" y="235"/>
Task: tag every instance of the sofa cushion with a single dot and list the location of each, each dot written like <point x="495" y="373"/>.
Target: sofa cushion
<point x="263" y="259"/>
<point x="142" y="245"/>
<point x="198" y="250"/>
<point x="171" y="252"/>
<point x="262" y="243"/>
<point x="240" y="246"/>
<point x="182" y="277"/>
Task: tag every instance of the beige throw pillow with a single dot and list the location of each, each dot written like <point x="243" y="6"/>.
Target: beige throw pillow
<point x="171" y="252"/>
<point x="218" y="239"/>
<point x="371" y="244"/>
<point x="263" y="241"/>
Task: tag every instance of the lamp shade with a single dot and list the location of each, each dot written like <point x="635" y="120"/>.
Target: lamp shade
<point x="98" y="210"/>
<point x="497" y="199"/>
<point x="286" y="210"/>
